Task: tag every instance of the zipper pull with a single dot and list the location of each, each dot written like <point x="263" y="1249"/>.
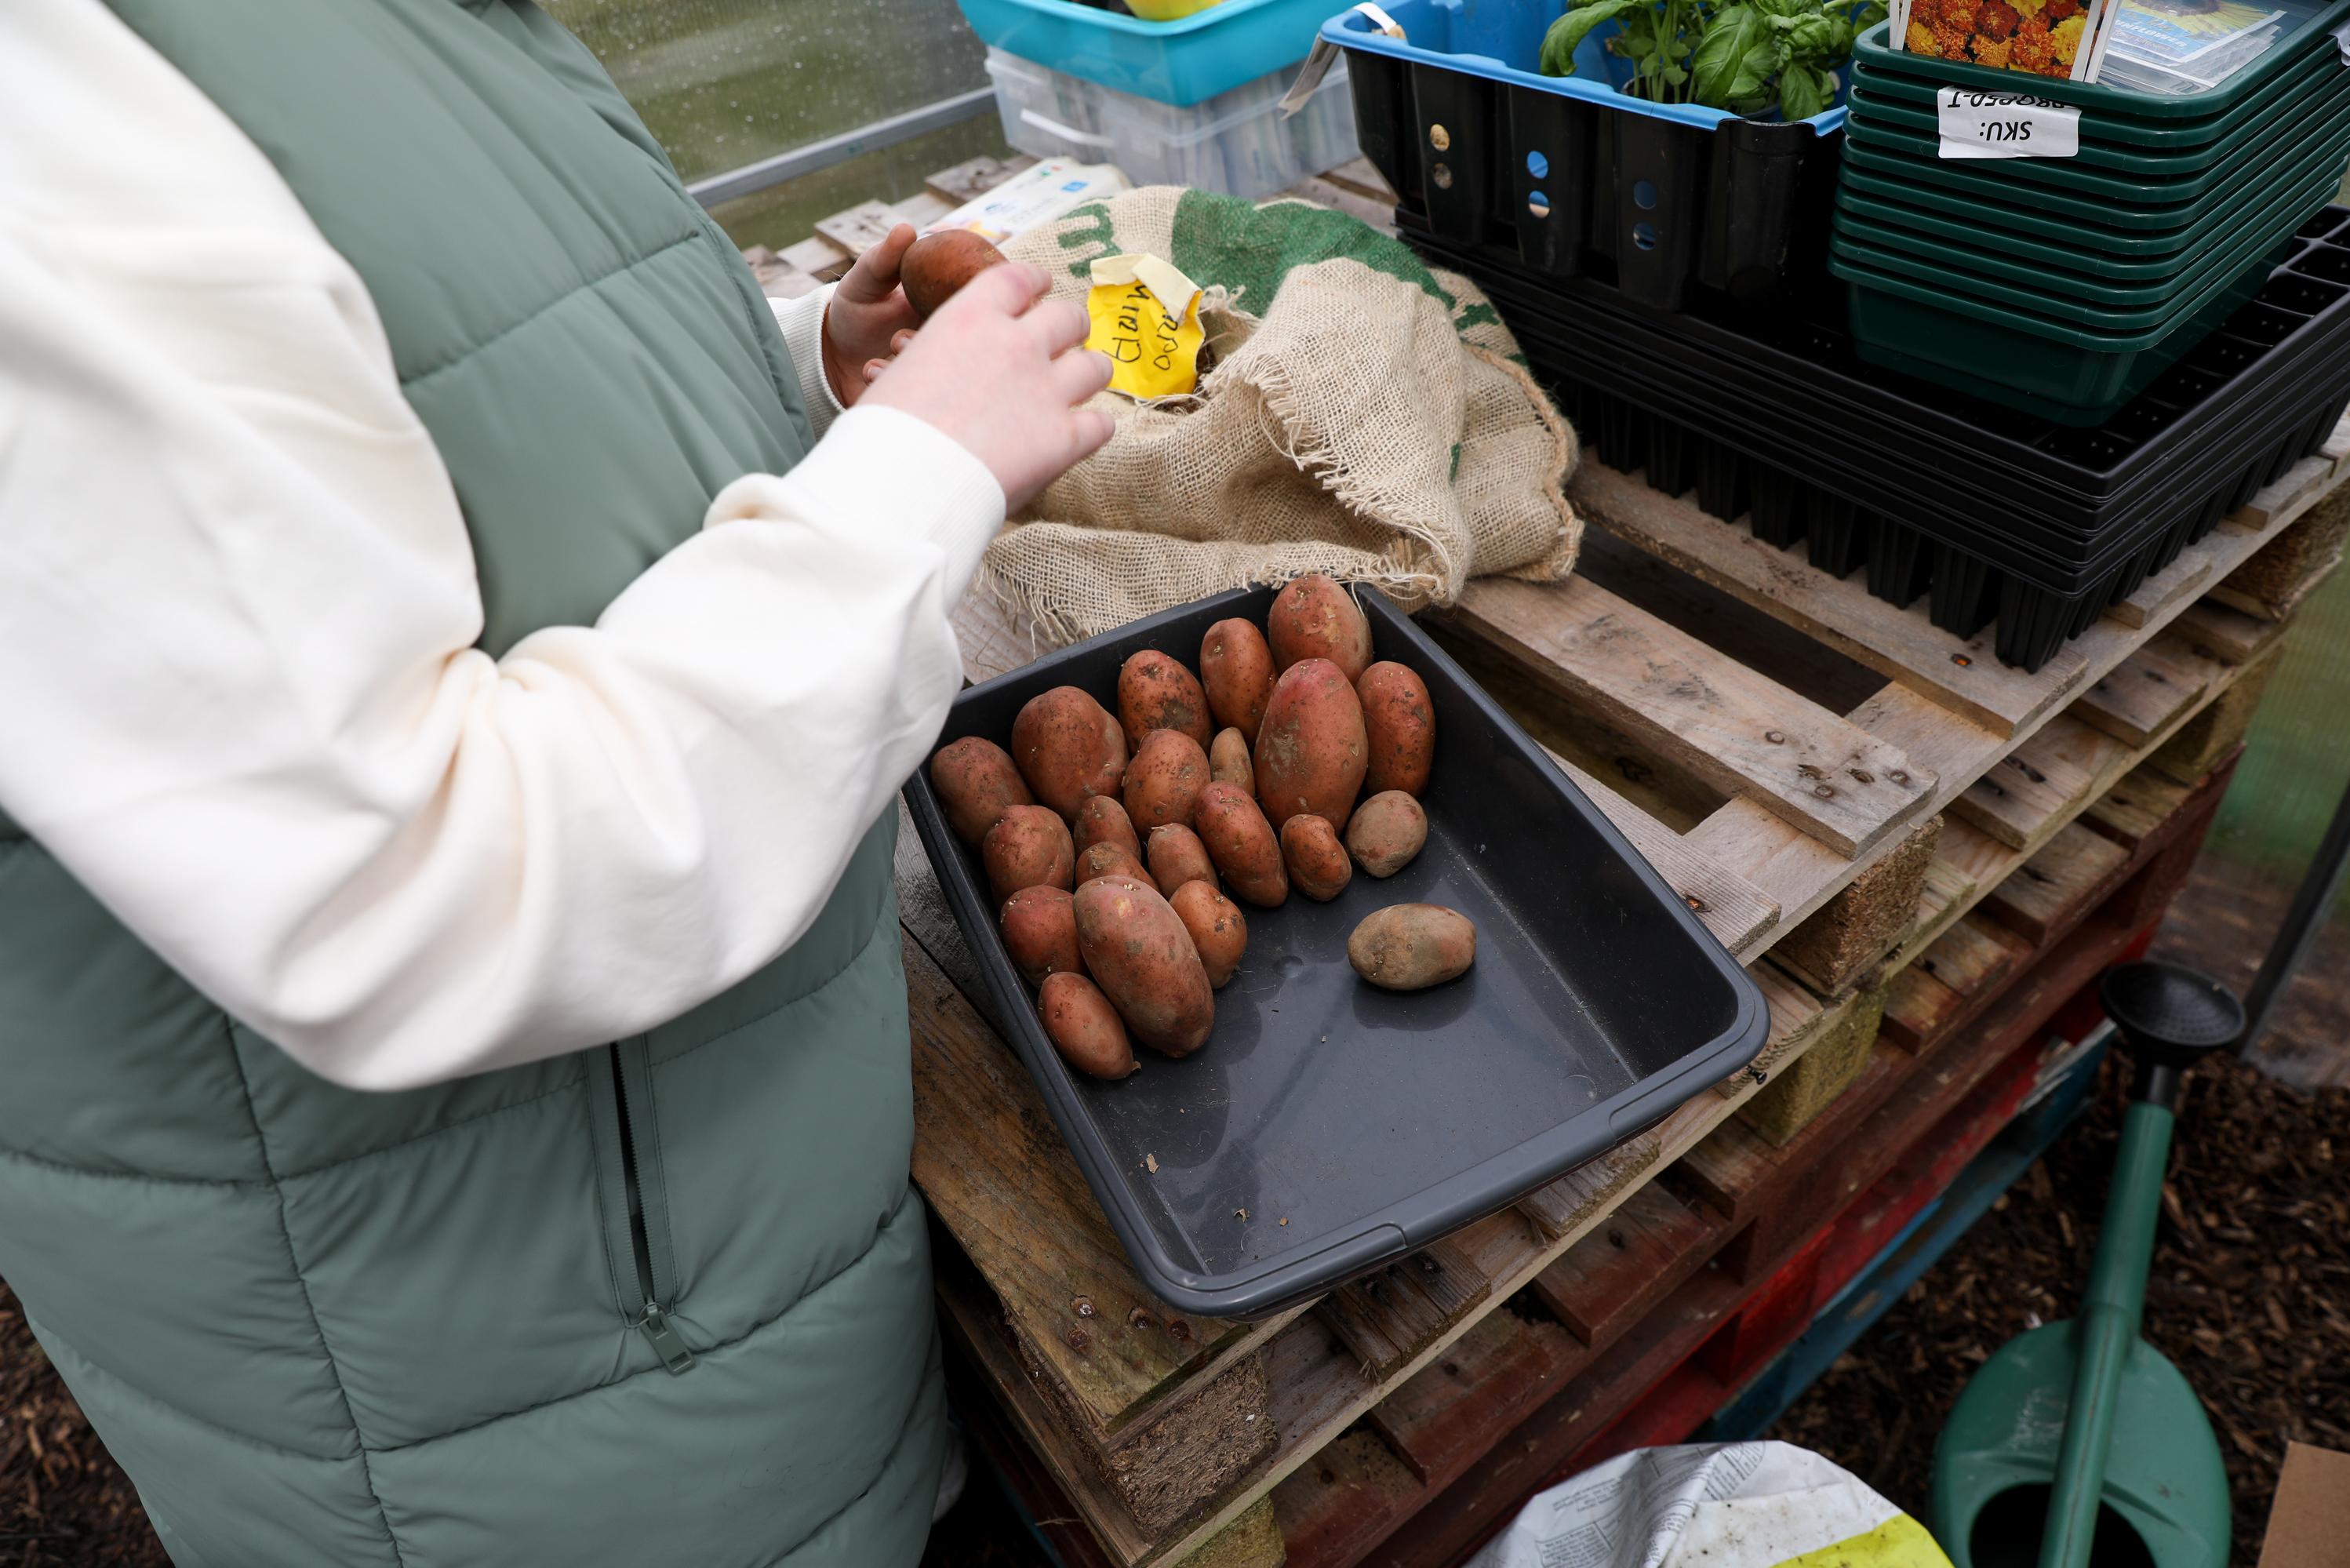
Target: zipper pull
<point x="666" y="1343"/>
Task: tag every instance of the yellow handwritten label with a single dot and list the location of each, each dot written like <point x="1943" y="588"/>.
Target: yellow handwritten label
<point x="1146" y="317"/>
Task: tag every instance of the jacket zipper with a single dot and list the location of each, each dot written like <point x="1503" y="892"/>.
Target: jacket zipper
<point x="647" y="1209"/>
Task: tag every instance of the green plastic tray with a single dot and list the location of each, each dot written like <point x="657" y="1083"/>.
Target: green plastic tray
<point x="2054" y="179"/>
<point x="2321" y="59"/>
<point x="2095" y="307"/>
<point x="1927" y="179"/>
<point x="2083" y="381"/>
<point x="1871" y="113"/>
<point x="1930" y="233"/>
<point x="1870" y="52"/>
<point x="1858" y="177"/>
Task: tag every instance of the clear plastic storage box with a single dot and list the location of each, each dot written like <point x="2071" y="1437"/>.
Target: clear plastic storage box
<point x="1236" y="142"/>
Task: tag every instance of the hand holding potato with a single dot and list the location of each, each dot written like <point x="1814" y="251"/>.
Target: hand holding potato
<point x="867" y="313"/>
<point x="1001" y="370"/>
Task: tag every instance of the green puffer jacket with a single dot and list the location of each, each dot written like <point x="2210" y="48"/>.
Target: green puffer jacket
<point x="321" y="1328"/>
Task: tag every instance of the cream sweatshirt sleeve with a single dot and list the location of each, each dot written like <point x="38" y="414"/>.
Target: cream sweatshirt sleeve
<point x="238" y="694"/>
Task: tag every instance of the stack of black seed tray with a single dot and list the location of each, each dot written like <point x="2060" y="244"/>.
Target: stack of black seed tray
<point x="1995" y="513"/>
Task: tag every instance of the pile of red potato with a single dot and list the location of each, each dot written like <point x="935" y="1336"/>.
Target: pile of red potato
<point x="1248" y="772"/>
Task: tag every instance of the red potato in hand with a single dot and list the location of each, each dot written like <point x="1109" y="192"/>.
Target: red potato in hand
<point x="1313" y="618"/>
<point x="1236" y="669"/>
<point x="1164" y="780"/>
<point x="1028" y="848"/>
<point x="1399" y="722"/>
<point x="1312" y="752"/>
<point x="1177" y="856"/>
<point x="1141" y="955"/>
<point x="1102" y="820"/>
<point x="1083" y="1027"/>
<point x="976" y="783"/>
<point x="1040" y="932"/>
<point x="1156" y="693"/>
<point x="1242" y="844"/>
<point x="936" y="266"/>
<point x="1107" y="859"/>
<point x="1316" y="861"/>
<point x="1219" y="932"/>
<point x="1068" y="748"/>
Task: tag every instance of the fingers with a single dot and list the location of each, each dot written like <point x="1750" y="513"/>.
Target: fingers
<point x="1093" y="429"/>
<point x="1077" y="376"/>
<point x="1057" y="326"/>
<point x="898" y="341"/>
<point x="1009" y="289"/>
<point x="875" y="272"/>
<point x="873" y="369"/>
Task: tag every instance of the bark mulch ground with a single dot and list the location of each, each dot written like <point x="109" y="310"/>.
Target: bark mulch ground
<point x="2250" y="1293"/>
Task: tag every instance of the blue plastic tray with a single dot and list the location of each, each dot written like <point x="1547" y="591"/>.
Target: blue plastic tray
<point x="1206" y="53"/>
<point x="1501" y="42"/>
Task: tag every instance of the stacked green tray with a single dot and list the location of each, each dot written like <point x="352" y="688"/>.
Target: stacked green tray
<point x="2064" y="285"/>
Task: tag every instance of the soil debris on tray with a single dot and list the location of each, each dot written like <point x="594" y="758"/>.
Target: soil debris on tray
<point x="2250" y="1291"/>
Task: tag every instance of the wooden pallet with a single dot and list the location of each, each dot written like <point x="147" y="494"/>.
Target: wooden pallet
<point x="1701" y="688"/>
<point x="1702" y="1281"/>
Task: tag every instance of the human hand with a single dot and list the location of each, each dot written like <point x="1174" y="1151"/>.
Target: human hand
<point x="1000" y="368"/>
<point x="866" y="318"/>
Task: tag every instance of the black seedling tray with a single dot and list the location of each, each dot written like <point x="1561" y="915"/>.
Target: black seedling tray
<point x="2000" y="516"/>
<point x="1581" y="186"/>
<point x="1328" y="1126"/>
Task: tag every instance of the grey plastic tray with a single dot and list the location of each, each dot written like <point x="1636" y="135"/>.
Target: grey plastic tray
<point x="1373" y="1122"/>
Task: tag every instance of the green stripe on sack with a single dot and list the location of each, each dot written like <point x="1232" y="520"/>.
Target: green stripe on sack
<point x="1250" y="249"/>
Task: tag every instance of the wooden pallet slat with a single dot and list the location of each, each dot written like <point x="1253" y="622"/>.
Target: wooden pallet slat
<point x="1607" y="1280"/>
<point x="1731" y="908"/>
<point x="1902" y="645"/>
<point x="1738" y="729"/>
<point x="2183" y="579"/>
<point x="1393" y="1314"/>
<point x="857" y="230"/>
<point x="1973" y="956"/>
<point x="2064" y="875"/>
<point x="1561" y="1207"/>
<point x="2137" y="698"/>
<point x="2047" y="776"/>
<point x="1337" y="1508"/>
<point x="1439" y="1421"/>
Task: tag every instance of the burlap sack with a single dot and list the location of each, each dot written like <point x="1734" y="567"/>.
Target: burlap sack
<point x="1366" y="417"/>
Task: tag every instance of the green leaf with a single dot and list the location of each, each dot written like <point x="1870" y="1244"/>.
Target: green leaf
<point x="1721" y="55"/>
<point x="1559" y="44"/>
<point x="1869" y="15"/>
<point x="1813" y="36"/>
<point x="1786" y="8"/>
<point x="1804" y="90"/>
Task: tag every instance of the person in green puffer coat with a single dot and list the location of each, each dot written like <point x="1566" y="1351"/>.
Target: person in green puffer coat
<point x="458" y="650"/>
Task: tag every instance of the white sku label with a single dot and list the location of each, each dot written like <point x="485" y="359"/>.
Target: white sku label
<point x="2006" y="125"/>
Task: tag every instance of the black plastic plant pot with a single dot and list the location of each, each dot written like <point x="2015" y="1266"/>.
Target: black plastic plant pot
<point x="1574" y="186"/>
<point x="1328" y="1127"/>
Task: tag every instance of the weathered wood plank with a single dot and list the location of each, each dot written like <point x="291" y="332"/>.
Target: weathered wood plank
<point x="1336" y="1508"/>
<point x="975" y="177"/>
<point x="1607" y="1280"/>
<point x="1918" y="1008"/>
<point x="1252" y="1541"/>
<point x="2212" y="736"/>
<point x="818" y="257"/>
<point x="2214" y="632"/>
<point x="1739" y="731"/>
<point x="2138" y="698"/>
<point x="2138" y="806"/>
<point x="1389" y="1316"/>
<point x="1973" y="956"/>
<point x="997" y="1174"/>
<point x="1442" y="1419"/>
<point x="2183" y="579"/>
<point x="922" y="209"/>
<point x="1564" y="1207"/>
<point x="1725" y="903"/>
<point x="1962" y="673"/>
<point x="857" y="230"/>
<point x="2048" y="775"/>
<point x="2060" y="879"/>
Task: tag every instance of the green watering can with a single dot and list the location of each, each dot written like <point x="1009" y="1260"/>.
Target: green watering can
<point x="2079" y="1445"/>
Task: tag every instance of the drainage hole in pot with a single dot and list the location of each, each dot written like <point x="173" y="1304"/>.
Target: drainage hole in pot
<point x="1537" y="165"/>
<point x="1645" y="235"/>
<point x="1644" y="196"/>
<point x="1538" y="205"/>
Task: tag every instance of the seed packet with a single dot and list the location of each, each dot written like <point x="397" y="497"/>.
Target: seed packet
<point x="2040" y="37"/>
